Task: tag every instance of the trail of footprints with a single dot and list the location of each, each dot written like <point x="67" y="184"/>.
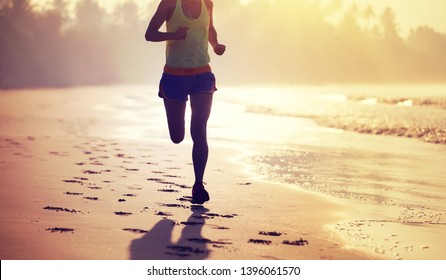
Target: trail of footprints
<point x="95" y="169"/>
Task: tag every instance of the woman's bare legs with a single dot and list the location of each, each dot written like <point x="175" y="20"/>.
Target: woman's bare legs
<point x="201" y="109"/>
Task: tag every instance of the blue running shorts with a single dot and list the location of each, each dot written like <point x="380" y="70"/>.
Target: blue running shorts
<point x="178" y="88"/>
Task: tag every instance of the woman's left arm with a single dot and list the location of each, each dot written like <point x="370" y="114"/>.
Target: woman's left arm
<point x="219" y="49"/>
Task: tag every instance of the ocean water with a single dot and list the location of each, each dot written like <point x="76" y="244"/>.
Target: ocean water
<point x="406" y="111"/>
<point x="395" y="128"/>
<point x="379" y="150"/>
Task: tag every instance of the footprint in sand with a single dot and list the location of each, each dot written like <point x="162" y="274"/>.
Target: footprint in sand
<point x="270" y="233"/>
<point x="185" y="251"/>
<point x="91" y="198"/>
<point x="91" y="172"/>
<point x="73" y="181"/>
<point x="135" y="230"/>
<point x="185" y="199"/>
<point x="260" y="241"/>
<point x="220" y="227"/>
<point x="60" y="229"/>
<point x="173" y="205"/>
<point x="206" y="216"/>
<point x="121" y="213"/>
<point x="81" y="178"/>
<point x="215" y="244"/>
<point x="168" y="190"/>
<point x="300" y="242"/>
<point x="171" y="176"/>
<point x="154" y="179"/>
<point x="60" y="209"/>
<point x="61" y="154"/>
<point x="166" y="182"/>
<point x="132" y="169"/>
<point x="164" y="214"/>
<point x="73" y="193"/>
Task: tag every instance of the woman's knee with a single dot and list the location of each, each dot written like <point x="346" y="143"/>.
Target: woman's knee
<point x="176" y="138"/>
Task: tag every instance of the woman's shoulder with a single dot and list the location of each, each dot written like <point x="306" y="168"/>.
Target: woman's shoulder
<point x="168" y="6"/>
<point x="168" y="3"/>
<point x="209" y="4"/>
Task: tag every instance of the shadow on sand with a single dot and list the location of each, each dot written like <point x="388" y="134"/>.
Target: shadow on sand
<point x="157" y="243"/>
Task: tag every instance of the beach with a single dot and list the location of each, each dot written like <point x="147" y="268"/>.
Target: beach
<point x="89" y="173"/>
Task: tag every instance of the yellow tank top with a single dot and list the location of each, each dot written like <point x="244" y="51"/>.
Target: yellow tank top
<point x="191" y="52"/>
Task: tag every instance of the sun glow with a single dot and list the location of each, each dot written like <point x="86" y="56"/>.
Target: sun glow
<point x="106" y="4"/>
<point x="278" y="41"/>
<point x="410" y="13"/>
<point x="245" y="2"/>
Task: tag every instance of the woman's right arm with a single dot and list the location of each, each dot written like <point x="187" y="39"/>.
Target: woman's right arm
<point x="162" y="14"/>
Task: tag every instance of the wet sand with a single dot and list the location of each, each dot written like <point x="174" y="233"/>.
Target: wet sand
<point x="72" y="188"/>
<point x="392" y="186"/>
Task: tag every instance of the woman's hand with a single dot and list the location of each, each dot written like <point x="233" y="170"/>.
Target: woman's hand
<point x="180" y="33"/>
<point x="219" y="49"/>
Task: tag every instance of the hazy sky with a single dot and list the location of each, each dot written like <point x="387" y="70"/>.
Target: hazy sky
<point x="410" y="13"/>
<point x="292" y="39"/>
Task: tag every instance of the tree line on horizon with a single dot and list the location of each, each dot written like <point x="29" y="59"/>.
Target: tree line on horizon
<point x="268" y="42"/>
